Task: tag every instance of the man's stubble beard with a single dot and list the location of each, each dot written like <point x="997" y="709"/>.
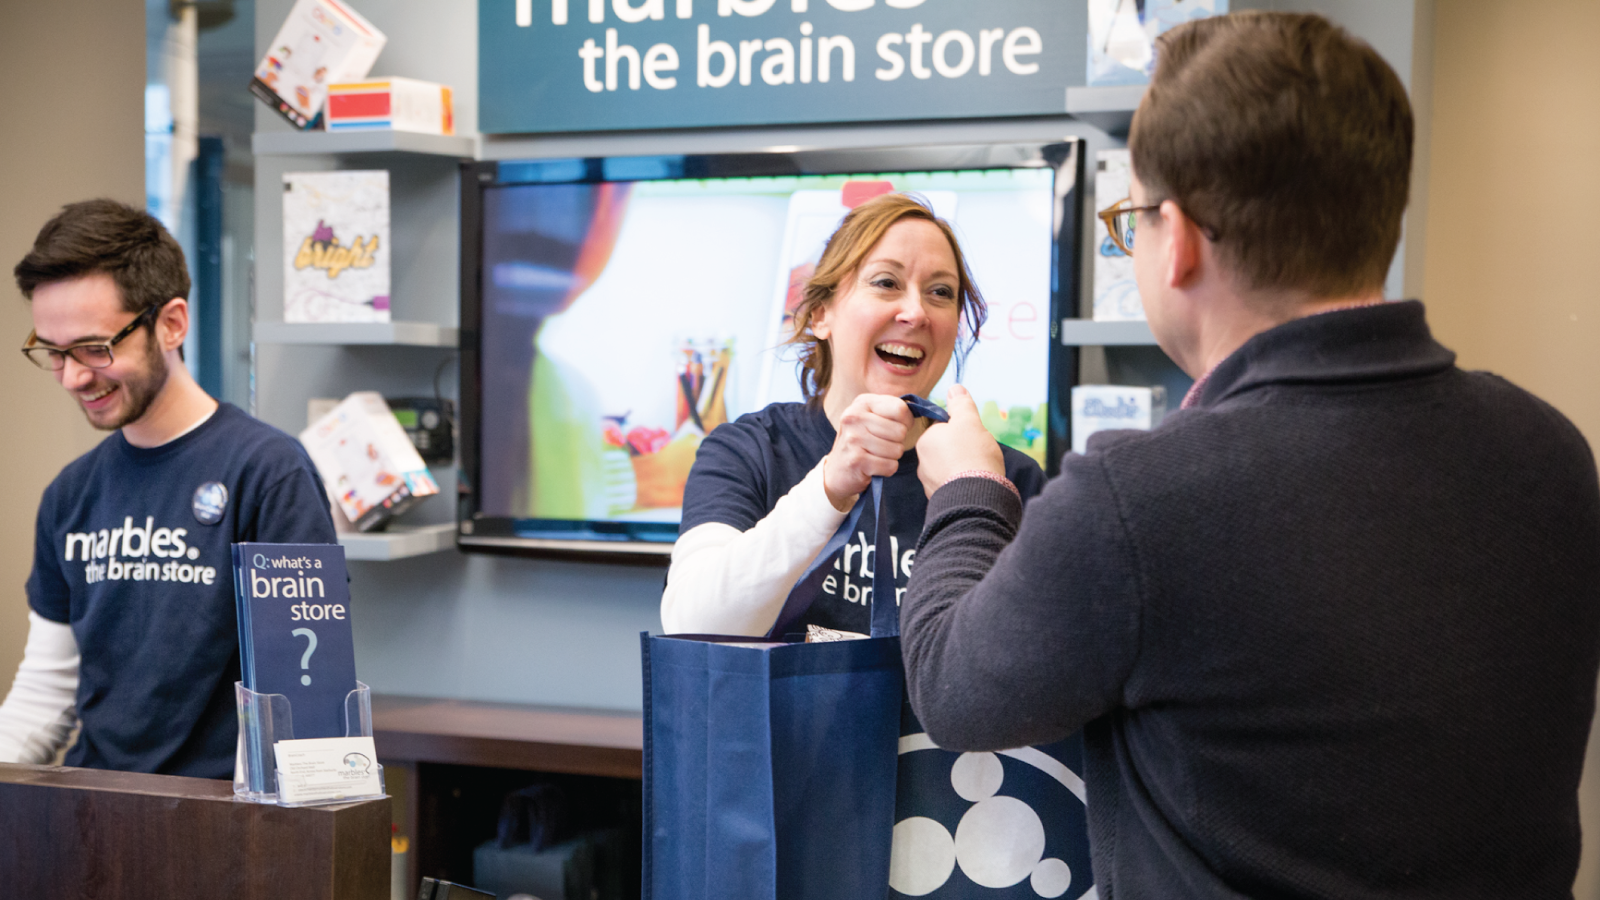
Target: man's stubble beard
<point x="140" y="390"/>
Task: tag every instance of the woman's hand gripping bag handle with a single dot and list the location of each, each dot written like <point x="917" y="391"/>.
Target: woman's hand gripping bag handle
<point x="885" y="616"/>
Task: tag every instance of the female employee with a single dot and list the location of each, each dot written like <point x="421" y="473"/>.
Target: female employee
<point x="882" y="317"/>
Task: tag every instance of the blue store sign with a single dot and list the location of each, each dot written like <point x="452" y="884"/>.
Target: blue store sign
<point x="601" y="65"/>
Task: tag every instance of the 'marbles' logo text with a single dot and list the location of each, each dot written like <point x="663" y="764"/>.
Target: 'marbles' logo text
<point x="123" y="554"/>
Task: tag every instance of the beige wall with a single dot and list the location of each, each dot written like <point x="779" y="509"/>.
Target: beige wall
<point x="79" y="134"/>
<point x="1513" y="195"/>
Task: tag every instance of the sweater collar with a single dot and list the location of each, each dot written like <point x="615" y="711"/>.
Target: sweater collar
<point x="1382" y="342"/>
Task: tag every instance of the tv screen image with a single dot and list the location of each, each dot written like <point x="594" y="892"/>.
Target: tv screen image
<point x="620" y="321"/>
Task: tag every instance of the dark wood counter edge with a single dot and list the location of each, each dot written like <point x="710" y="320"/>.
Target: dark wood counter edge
<point x="121" y="782"/>
<point x="509" y="736"/>
<point x="68" y="832"/>
<point x="168" y="786"/>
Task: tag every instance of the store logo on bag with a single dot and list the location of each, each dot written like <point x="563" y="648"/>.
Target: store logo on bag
<point x="999" y="842"/>
<point x="210" y="501"/>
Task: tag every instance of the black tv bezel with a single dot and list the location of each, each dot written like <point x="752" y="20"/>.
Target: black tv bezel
<point x="507" y="535"/>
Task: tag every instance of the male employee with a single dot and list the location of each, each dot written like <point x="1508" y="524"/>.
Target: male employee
<point x="1332" y="629"/>
<point x="132" y="629"/>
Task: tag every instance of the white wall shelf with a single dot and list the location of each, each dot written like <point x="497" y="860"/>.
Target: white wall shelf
<point x="408" y="334"/>
<point x="306" y="143"/>
<point x="1089" y="333"/>
<point x="1109" y="109"/>
<point x="399" y="542"/>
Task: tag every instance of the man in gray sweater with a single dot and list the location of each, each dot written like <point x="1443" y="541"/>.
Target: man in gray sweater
<point x="1332" y="629"/>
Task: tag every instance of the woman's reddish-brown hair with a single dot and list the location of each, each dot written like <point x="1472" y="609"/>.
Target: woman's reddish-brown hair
<point x="860" y="231"/>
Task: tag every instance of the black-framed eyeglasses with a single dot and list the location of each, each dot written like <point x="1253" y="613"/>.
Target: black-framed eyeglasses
<point x="1122" y="221"/>
<point x="91" y="354"/>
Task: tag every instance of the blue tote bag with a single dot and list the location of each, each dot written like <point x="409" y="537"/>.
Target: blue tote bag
<point x="769" y="770"/>
<point x="791" y="771"/>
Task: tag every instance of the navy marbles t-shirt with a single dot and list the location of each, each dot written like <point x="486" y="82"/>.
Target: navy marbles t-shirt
<point x="746" y="466"/>
<point x="131" y="549"/>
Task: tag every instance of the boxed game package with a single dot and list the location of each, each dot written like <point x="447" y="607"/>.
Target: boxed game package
<point x="1116" y="294"/>
<point x="1105" y="407"/>
<point x="370" y="468"/>
<point x="336" y="246"/>
<point x="400" y="104"/>
<point x="1122" y="35"/>
<point x="322" y="42"/>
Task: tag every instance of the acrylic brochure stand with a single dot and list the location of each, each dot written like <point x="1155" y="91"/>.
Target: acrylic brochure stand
<point x="266" y="719"/>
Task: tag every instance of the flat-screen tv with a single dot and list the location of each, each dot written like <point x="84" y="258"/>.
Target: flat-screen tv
<point x="615" y="311"/>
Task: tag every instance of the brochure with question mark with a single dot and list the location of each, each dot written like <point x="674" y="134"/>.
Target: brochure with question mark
<point x="294" y="630"/>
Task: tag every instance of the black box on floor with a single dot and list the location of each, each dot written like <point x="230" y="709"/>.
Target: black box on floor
<point x="444" y="890"/>
<point x="562" y="871"/>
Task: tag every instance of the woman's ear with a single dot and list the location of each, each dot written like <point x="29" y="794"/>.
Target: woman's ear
<point x="820" y="329"/>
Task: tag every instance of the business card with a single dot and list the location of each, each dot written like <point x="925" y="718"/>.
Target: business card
<point x="322" y="769"/>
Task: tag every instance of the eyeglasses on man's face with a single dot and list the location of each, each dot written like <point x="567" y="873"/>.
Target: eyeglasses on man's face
<point x="1122" y="221"/>
<point x="91" y="354"/>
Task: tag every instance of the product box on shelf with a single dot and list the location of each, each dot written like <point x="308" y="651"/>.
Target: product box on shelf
<point x="370" y="468"/>
<point x="399" y="104"/>
<point x="1122" y="35"/>
<point x="322" y="42"/>
<point x="1107" y="407"/>
<point x="1116" y="294"/>
<point x="336" y="246"/>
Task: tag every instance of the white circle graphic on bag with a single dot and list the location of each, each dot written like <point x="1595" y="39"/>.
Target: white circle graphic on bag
<point x="999" y="842"/>
<point x="922" y="858"/>
<point x="1051" y="878"/>
<point x="977" y="776"/>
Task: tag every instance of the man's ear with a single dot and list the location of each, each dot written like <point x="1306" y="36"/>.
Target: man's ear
<point x="1184" y="245"/>
<point x="172" y="324"/>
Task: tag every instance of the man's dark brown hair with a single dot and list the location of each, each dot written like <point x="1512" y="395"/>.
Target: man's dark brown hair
<point x="1287" y="138"/>
<point x="129" y="244"/>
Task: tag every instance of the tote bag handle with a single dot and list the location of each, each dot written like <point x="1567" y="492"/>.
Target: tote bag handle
<point x="885" y="615"/>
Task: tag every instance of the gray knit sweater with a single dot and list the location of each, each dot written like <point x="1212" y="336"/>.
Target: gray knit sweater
<point x="1333" y="632"/>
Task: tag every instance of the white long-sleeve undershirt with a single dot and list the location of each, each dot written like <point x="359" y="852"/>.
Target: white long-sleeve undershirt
<point x="39" y="713"/>
<point x="726" y="581"/>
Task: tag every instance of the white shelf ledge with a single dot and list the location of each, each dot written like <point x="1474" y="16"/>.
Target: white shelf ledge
<point x="1089" y="333"/>
<point x="302" y="143"/>
<point x="399" y="542"/>
<point x="411" y="334"/>
<point x="1109" y="109"/>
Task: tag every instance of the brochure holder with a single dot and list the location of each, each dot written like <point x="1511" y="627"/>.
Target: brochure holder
<point x="266" y="719"/>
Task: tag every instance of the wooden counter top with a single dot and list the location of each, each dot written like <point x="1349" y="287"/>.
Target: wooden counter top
<point x="84" y="833"/>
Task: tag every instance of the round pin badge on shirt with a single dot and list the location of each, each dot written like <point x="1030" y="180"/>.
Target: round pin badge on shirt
<point x="210" y="501"/>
